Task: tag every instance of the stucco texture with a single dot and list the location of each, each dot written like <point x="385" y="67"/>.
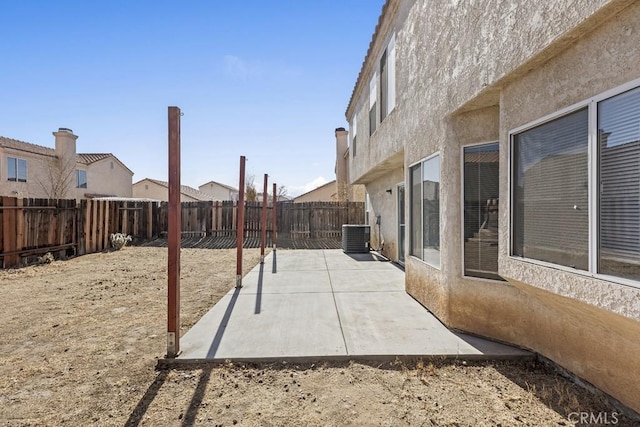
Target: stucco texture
<point x="494" y="66"/>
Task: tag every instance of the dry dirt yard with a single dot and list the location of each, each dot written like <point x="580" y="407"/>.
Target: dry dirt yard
<point x="81" y="338"/>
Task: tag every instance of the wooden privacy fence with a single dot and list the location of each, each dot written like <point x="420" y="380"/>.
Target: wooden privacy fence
<point x="31" y="227"/>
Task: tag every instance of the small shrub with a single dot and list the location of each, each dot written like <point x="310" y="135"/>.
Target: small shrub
<point x="46" y="258"/>
<point x="119" y="240"/>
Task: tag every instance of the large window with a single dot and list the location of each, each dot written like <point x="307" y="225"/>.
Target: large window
<point x="388" y="79"/>
<point x="550" y="192"/>
<point x="425" y="211"/>
<point x="576" y="187"/>
<point x="354" y="134"/>
<point x="619" y="171"/>
<point x="481" y="195"/>
<point x="81" y="178"/>
<point x="16" y="169"/>
<point x="373" y="118"/>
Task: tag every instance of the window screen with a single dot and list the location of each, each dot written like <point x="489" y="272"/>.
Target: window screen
<point x="619" y="173"/>
<point x="481" y="196"/>
<point x="550" y="192"/>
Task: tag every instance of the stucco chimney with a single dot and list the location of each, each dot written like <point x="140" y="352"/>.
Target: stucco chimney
<point x="65" y="143"/>
<point x="342" y="170"/>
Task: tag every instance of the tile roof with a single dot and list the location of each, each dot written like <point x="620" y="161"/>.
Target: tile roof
<point x="88" y="158"/>
<point x="228" y="187"/>
<point x="185" y="189"/>
<point x="84" y="158"/>
<point x="26" y="146"/>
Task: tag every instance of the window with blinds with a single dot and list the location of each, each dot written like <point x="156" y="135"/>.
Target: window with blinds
<point x="551" y="192"/>
<point x="481" y="196"/>
<point x="619" y="174"/>
<point x="575" y="187"/>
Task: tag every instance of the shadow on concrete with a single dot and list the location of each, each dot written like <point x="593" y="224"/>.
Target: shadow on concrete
<point x="259" y="290"/>
<point x="223" y="325"/>
<point x="274" y="268"/>
<point x="143" y="405"/>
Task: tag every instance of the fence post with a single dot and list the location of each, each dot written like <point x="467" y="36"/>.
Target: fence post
<point x="274" y="222"/>
<point x="9" y="231"/>
<point x="174" y="234"/>
<point x="240" y="224"/>
<point x="263" y="220"/>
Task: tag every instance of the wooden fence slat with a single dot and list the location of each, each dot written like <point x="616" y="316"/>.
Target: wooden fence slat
<point x="85" y="226"/>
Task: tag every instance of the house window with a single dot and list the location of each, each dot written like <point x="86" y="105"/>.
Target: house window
<point x="384" y="85"/>
<point x="550" y="192"/>
<point x="425" y="211"/>
<point x="81" y="178"/>
<point x="372" y="104"/>
<point x="481" y="194"/>
<point x="619" y="173"/>
<point x="576" y="187"/>
<point x="354" y="134"/>
<point x="16" y="169"/>
<point x="388" y="79"/>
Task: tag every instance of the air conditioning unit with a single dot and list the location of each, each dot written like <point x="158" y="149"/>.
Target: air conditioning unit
<point x="355" y="238"/>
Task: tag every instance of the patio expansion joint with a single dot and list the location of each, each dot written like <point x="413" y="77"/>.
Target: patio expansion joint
<point x="335" y="304"/>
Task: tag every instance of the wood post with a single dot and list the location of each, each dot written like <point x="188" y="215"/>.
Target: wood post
<point x="263" y="220"/>
<point x="240" y="225"/>
<point x="274" y="222"/>
<point x="174" y="231"/>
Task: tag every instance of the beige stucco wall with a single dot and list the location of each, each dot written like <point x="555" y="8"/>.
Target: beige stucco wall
<point x="325" y="193"/>
<point x="108" y="177"/>
<point x="385" y="206"/>
<point x="497" y="65"/>
<point x="36" y="174"/>
<point x="151" y="190"/>
<point x="218" y="192"/>
<point x="101" y="179"/>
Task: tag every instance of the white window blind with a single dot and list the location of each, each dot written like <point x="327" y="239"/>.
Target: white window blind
<point x="619" y="174"/>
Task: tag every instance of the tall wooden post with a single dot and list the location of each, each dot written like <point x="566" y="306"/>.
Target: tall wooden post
<point x="263" y="220"/>
<point x="274" y="222"/>
<point x="240" y="226"/>
<point x="174" y="234"/>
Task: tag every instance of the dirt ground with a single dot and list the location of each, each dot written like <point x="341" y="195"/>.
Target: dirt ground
<point x="81" y="338"/>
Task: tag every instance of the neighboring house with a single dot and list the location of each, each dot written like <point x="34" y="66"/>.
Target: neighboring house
<point x="159" y="190"/>
<point x="219" y="191"/>
<point x="325" y="193"/>
<point x="33" y="171"/>
<point x="500" y="149"/>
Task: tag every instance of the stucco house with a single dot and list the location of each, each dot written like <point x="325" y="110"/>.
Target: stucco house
<point x="219" y="191"/>
<point x="324" y="193"/>
<point x="499" y="144"/>
<point x="159" y="190"/>
<point x="34" y="171"/>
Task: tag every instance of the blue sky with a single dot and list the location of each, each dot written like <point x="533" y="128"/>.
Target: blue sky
<point x="266" y="79"/>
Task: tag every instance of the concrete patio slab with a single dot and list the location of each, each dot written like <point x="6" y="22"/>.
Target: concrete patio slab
<point x="286" y="282"/>
<point x="273" y="326"/>
<point x="383" y="280"/>
<point x="325" y="305"/>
